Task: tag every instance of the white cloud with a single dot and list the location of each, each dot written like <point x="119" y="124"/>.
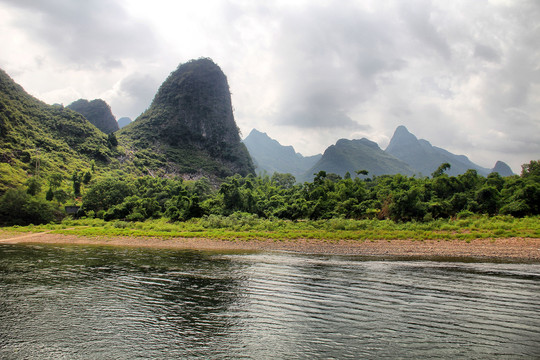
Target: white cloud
<point x="463" y="75"/>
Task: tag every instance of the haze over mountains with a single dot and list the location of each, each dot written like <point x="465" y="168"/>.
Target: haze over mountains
<point x="189" y="130"/>
<point x="405" y="155"/>
<point x="123" y="121"/>
<point x="270" y="156"/>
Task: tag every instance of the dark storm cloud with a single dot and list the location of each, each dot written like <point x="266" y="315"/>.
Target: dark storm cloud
<point x="89" y="33"/>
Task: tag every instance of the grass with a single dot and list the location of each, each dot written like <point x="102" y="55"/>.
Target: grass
<point x="250" y="227"/>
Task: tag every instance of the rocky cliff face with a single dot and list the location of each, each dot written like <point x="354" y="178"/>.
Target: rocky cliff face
<point x="98" y="112"/>
<point x="190" y="124"/>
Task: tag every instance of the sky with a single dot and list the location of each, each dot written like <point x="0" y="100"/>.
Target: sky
<point x="464" y="75"/>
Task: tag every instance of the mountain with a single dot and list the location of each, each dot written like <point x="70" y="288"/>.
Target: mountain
<point x="189" y="128"/>
<point x="98" y="112"/>
<point x="270" y="156"/>
<point x="425" y="158"/>
<point x="39" y="139"/>
<point x="123" y="121"/>
<point x="503" y="169"/>
<point x="353" y="155"/>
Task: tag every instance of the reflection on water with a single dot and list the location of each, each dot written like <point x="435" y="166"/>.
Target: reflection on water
<point x="68" y="302"/>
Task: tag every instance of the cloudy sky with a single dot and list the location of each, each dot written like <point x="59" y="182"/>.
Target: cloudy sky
<point x="464" y="75"/>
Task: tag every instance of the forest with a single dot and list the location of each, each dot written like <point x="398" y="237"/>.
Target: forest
<point x="397" y="198"/>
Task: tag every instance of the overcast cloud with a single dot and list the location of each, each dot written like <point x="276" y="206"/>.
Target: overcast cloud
<point x="464" y="75"/>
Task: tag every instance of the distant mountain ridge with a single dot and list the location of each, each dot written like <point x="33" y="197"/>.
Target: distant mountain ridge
<point x="270" y="156"/>
<point x="349" y="156"/>
<point x="98" y="112"/>
<point x="425" y="158"/>
<point x="405" y="154"/>
<point x="123" y="121"/>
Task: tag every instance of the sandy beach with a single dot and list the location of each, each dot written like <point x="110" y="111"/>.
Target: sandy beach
<point x="515" y="249"/>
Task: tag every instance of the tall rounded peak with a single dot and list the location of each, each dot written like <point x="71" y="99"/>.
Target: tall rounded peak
<point x="401" y="131"/>
<point x="191" y="121"/>
<point x="201" y="77"/>
<point x="402" y="137"/>
<point x="503" y="169"/>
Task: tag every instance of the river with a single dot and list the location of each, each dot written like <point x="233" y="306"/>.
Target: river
<point x="91" y="302"/>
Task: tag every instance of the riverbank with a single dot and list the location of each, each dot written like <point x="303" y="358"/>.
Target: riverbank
<point x="515" y="249"/>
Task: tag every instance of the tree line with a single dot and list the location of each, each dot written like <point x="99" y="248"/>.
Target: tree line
<point x="395" y="197"/>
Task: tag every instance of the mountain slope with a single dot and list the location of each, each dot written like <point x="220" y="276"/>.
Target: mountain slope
<point x="38" y="139"/>
<point x="189" y="128"/>
<point x="425" y="158"/>
<point x="98" y="112"/>
<point x="270" y="156"/>
<point x="353" y="155"/>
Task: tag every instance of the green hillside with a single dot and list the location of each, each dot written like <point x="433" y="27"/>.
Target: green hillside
<point x="37" y="139"/>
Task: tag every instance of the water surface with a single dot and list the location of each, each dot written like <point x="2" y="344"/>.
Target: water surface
<point x="84" y="302"/>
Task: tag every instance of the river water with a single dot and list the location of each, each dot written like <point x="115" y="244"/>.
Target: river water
<point x="81" y="302"/>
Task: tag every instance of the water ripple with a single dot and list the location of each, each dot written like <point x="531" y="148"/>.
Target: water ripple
<point x="101" y="303"/>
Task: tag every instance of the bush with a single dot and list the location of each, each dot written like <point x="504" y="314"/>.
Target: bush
<point x="17" y="207"/>
<point x="465" y="214"/>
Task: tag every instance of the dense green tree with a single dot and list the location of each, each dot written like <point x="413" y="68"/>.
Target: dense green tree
<point x="33" y="185"/>
<point x="441" y="169"/>
<point x="17" y="207"/>
<point x="396" y="197"/>
<point x="105" y="193"/>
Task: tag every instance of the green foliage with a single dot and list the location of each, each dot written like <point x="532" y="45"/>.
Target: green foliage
<point x="246" y="226"/>
<point x="17" y="207"/>
<point x="106" y="193"/>
<point x="41" y="140"/>
<point x="441" y="169"/>
<point x="33" y="185"/>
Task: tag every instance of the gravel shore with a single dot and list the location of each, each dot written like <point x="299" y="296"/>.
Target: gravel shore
<point x="515" y="249"/>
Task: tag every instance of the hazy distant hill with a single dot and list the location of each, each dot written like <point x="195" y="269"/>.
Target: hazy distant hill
<point x="353" y="155"/>
<point x="189" y="128"/>
<point x="98" y="112"/>
<point x="503" y="169"/>
<point x="38" y="139"/>
<point x="425" y="158"/>
<point x="270" y="156"/>
<point x="123" y="121"/>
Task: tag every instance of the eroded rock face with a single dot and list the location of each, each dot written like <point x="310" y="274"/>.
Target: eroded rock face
<point x="191" y="122"/>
